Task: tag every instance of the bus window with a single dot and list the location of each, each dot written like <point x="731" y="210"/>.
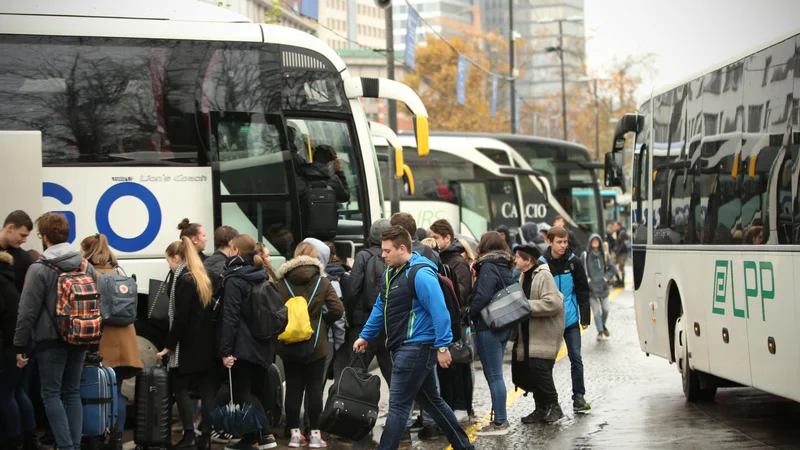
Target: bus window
<point x="475" y="206"/>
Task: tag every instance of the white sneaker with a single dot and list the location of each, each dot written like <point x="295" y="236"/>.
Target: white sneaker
<point x="297" y="440"/>
<point x="462" y="416"/>
<point x="316" y="440"/>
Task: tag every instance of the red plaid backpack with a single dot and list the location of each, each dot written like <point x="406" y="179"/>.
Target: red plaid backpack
<point x="77" y="318"/>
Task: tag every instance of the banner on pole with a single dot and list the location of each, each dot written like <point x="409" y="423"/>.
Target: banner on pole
<point x="494" y="96"/>
<point x="516" y="119"/>
<point x="461" y="80"/>
<point x="411" y="39"/>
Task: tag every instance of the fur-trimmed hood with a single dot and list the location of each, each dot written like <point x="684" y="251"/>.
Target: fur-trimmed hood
<point x="500" y="256"/>
<point x="6" y="257"/>
<point x="301" y="269"/>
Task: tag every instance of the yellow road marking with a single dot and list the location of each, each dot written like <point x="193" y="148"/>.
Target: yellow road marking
<point x="514" y="395"/>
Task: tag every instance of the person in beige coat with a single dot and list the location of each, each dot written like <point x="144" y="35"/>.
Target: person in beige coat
<point x="538" y="339"/>
<point x="118" y="345"/>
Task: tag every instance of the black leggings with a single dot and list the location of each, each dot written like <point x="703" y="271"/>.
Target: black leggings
<point x="206" y="383"/>
<point x="304" y="378"/>
<point x="249" y="381"/>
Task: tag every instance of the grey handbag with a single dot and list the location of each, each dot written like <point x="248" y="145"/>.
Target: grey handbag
<point x="509" y="306"/>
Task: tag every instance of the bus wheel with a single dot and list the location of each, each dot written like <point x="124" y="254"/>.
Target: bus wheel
<point x="692" y="388"/>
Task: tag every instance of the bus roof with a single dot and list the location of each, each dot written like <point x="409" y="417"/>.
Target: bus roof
<point x="517" y="138"/>
<point x="178" y="10"/>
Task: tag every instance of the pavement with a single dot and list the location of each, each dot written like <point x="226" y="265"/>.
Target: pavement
<point x="637" y="403"/>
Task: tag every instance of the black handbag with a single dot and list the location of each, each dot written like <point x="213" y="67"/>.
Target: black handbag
<point x="461" y="349"/>
<point x="158" y="302"/>
<point x="508" y="307"/>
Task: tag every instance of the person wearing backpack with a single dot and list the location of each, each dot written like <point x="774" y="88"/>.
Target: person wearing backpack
<point x="215" y="264"/>
<point x="190" y="341"/>
<point x="494" y="273"/>
<point x="539" y="338"/>
<point x="242" y="348"/>
<point x="302" y="278"/>
<point x="599" y="271"/>
<point x="363" y="288"/>
<point x="319" y="171"/>
<point x="60" y="353"/>
<point x="118" y="344"/>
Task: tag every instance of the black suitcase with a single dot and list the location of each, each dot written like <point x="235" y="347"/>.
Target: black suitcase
<point x="153" y="414"/>
<point x="352" y="407"/>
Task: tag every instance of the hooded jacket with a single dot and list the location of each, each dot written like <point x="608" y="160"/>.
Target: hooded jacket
<point x="409" y="320"/>
<point x="453" y="258"/>
<point x="37" y="302"/>
<point x="365" y="284"/>
<point x="493" y="275"/>
<point x="529" y="234"/>
<point x="599" y="268"/>
<point x="570" y="278"/>
<point x="235" y="338"/>
<point x="316" y="172"/>
<point x="336" y="330"/>
<point x="9" y="301"/>
<point x="544" y="332"/>
<point x="301" y="274"/>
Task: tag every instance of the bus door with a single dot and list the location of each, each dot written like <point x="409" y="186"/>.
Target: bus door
<point x="487" y="204"/>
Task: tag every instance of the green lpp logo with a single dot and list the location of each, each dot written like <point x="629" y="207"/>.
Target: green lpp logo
<point x="759" y="282"/>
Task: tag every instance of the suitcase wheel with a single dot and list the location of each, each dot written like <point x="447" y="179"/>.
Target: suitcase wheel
<point x="371" y="422"/>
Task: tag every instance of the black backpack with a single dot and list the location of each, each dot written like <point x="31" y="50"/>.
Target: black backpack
<point x="321" y="211"/>
<point x="450" y="298"/>
<point x="268" y="314"/>
<point x="373" y="278"/>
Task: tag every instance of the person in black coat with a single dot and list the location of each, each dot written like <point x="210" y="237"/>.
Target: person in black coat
<point x="246" y="357"/>
<point x="494" y="273"/>
<point x="318" y="171"/>
<point x="190" y="341"/>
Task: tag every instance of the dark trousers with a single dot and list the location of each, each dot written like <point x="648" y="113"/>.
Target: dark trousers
<point x="303" y="379"/>
<point x="250" y="386"/>
<point x="206" y="383"/>
<point x="375" y="349"/>
<point x="544" y="388"/>
<point x="17" y="410"/>
<point x="572" y="337"/>
<point x="455" y="384"/>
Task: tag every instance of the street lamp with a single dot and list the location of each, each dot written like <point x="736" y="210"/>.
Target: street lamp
<point x="596" y="113"/>
<point x="560" y="50"/>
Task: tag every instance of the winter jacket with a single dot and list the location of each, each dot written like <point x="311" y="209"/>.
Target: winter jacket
<point x="365" y="279"/>
<point x="9" y="301"/>
<point x="544" y="332"/>
<point x="118" y="345"/>
<point x="529" y="233"/>
<point x="311" y="174"/>
<point x="337" y="331"/>
<point x="409" y="320"/>
<point x="599" y="269"/>
<point x="215" y="265"/>
<point x="22" y="262"/>
<point x="235" y="338"/>
<point x="570" y="278"/>
<point x="37" y="302"/>
<point x="452" y="257"/>
<point x="493" y="275"/>
<point x="301" y="274"/>
<point x="192" y="326"/>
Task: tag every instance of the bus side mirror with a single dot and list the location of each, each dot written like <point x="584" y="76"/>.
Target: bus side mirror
<point x="613" y="169"/>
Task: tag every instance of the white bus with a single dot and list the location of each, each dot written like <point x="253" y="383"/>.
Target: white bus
<point x="458" y="183"/>
<point x="128" y="117"/>
<point x="715" y="269"/>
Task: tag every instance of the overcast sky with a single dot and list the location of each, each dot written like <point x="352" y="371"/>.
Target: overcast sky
<point x="686" y="36"/>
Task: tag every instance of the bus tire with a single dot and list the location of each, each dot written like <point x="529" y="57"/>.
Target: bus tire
<point x="692" y="388"/>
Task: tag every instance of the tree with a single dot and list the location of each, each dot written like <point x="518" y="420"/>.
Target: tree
<point x="435" y="80"/>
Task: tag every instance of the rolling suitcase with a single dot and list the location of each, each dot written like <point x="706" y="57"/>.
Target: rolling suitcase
<point x="99" y="398"/>
<point x="352" y="407"/>
<point x="153" y="414"/>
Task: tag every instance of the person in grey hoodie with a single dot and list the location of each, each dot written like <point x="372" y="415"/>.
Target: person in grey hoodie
<point x="60" y="363"/>
<point x="599" y="271"/>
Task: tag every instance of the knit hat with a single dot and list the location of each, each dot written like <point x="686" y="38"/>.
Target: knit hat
<point x="378" y="227"/>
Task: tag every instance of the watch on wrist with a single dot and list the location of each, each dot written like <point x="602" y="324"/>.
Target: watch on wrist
<point x="442" y="349"/>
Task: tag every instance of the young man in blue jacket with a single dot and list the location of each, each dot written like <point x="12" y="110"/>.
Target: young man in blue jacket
<point x="570" y="278"/>
<point x="417" y="334"/>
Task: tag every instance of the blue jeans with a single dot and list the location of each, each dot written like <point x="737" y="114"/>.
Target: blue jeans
<point x="572" y="337"/>
<point x="413" y="375"/>
<point x="427" y="419"/>
<point x="600" y="309"/>
<point x="491" y="347"/>
<point x="17" y="410"/>
<point x="60" y="373"/>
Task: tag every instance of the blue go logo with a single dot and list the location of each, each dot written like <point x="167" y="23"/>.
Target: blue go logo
<point x="111" y="195"/>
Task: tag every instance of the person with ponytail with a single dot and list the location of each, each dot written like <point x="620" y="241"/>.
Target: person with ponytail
<point x="197" y="234"/>
<point x="190" y="342"/>
<point x="263" y="251"/>
<point x="118" y="344"/>
<point x="247" y="358"/>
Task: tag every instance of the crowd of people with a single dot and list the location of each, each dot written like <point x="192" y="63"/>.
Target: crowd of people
<point x="387" y="303"/>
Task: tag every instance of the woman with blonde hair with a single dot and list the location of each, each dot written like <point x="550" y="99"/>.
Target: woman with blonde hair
<point x="263" y="251"/>
<point x="118" y="344"/>
<point x="247" y="357"/>
<point x="190" y="341"/>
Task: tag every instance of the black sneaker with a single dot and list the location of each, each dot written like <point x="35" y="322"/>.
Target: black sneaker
<point x="536" y="416"/>
<point x="579" y="405"/>
<point x="428" y="433"/>
<point x="406" y="435"/>
<point x="554" y="413"/>
<point x="417" y="425"/>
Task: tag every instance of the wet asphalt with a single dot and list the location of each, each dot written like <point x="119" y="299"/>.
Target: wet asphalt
<point x="637" y="403"/>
